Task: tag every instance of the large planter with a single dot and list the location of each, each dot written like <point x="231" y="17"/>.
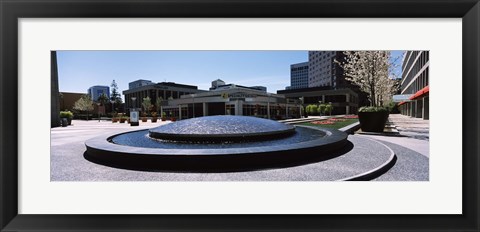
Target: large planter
<point x="154" y="119"/>
<point x="372" y="121"/>
<point x="64" y="122"/>
<point x="144" y="119"/>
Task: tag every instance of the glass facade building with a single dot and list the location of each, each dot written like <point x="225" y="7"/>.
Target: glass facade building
<point x="97" y="90"/>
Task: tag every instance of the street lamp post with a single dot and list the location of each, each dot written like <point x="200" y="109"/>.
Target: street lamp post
<point x="301" y="105"/>
<point x="319" y="103"/>
<point x="112" y="101"/>
<point x="98" y="109"/>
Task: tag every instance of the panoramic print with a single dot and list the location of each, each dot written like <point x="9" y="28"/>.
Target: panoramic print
<point x="239" y="115"/>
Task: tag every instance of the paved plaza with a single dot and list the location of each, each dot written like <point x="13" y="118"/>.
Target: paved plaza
<point x="68" y="162"/>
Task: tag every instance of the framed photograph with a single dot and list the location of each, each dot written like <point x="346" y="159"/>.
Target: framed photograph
<point x="112" y="115"/>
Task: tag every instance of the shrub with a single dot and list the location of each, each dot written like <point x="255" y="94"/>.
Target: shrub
<point x="373" y="109"/>
<point x="392" y="107"/>
<point x="66" y="114"/>
<point x="312" y="109"/>
<point x="322" y="108"/>
<point x="328" y="109"/>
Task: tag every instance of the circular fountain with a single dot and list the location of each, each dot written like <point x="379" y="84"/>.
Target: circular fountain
<point x="217" y="143"/>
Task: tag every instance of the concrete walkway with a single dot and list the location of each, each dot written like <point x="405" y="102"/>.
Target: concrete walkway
<point x="412" y="148"/>
<point x="67" y="162"/>
<point x="414" y="133"/>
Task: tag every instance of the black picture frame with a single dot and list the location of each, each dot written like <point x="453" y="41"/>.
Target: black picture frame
<point x="12" y="10"/>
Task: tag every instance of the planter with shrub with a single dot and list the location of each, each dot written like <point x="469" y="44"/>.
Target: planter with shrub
<point x="67" y="115"/>
<point x="123" y="119"/>
<point x="372" y="119"/>
<point x="154" y="117"/>
<point x="164" y="116"/>
<point x="144" y="117"/>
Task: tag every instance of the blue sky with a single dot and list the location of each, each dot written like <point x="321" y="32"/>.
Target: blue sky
<point x="79" y="70"/>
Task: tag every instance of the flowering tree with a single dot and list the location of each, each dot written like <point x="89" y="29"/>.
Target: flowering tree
<point x="372" y="71"/>
<point x="85" y="103"/>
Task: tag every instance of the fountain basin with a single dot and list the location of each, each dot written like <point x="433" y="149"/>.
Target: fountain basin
<point x="221" y="157"/>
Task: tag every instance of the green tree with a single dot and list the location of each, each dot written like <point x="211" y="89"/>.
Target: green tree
<point x="84" y="104"/>
<point x="158" y="104"/>
<point x="115" y="94"/>
<point x="103" y="99"/>
<point x="147" y="104"/>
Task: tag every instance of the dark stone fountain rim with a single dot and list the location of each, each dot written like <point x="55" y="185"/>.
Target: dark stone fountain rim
<point x="101" y="151"/>
<point x="102" y="143"/>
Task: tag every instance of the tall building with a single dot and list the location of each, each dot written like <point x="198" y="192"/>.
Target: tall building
<point x="97" y="90"/>
<point x="323" y="71"/>
<point x="139" y="83"/>
<point x="299" y="76"/>
<point x="321" y="80"/>
<point x="320" y="70"/>
<point x="415" y="72"/>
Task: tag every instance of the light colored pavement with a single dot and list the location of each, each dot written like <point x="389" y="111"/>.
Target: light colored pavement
<point x="81" y="130"/>
<point x="68" y="163"/>
<point x="414" y="133"/>
<point x="412" y="141"/>
<point x="411" y="127"/>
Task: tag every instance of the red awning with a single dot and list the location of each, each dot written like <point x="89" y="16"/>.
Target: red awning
<point x="401" y="103"/>
<point x="420" y="93"/>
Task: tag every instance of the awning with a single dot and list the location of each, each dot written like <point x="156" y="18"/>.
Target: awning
<point x="401" y="103"/>
<point x="420" y="93"/>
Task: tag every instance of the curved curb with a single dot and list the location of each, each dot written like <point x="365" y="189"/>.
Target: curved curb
<point x="376" y="172"/>
<point x="350" y="129"/>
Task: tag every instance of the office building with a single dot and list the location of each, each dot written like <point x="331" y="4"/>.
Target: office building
<point x="139" y="83"/>
<point x="97" y="90"/>
<point x="298" y="76"/>
<point x="414" y="84"/>
<point x="165" y="90"/>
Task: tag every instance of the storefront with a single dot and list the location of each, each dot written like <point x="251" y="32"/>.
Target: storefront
<point x="233" y="101"/>
<point x="417" y="104"/>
